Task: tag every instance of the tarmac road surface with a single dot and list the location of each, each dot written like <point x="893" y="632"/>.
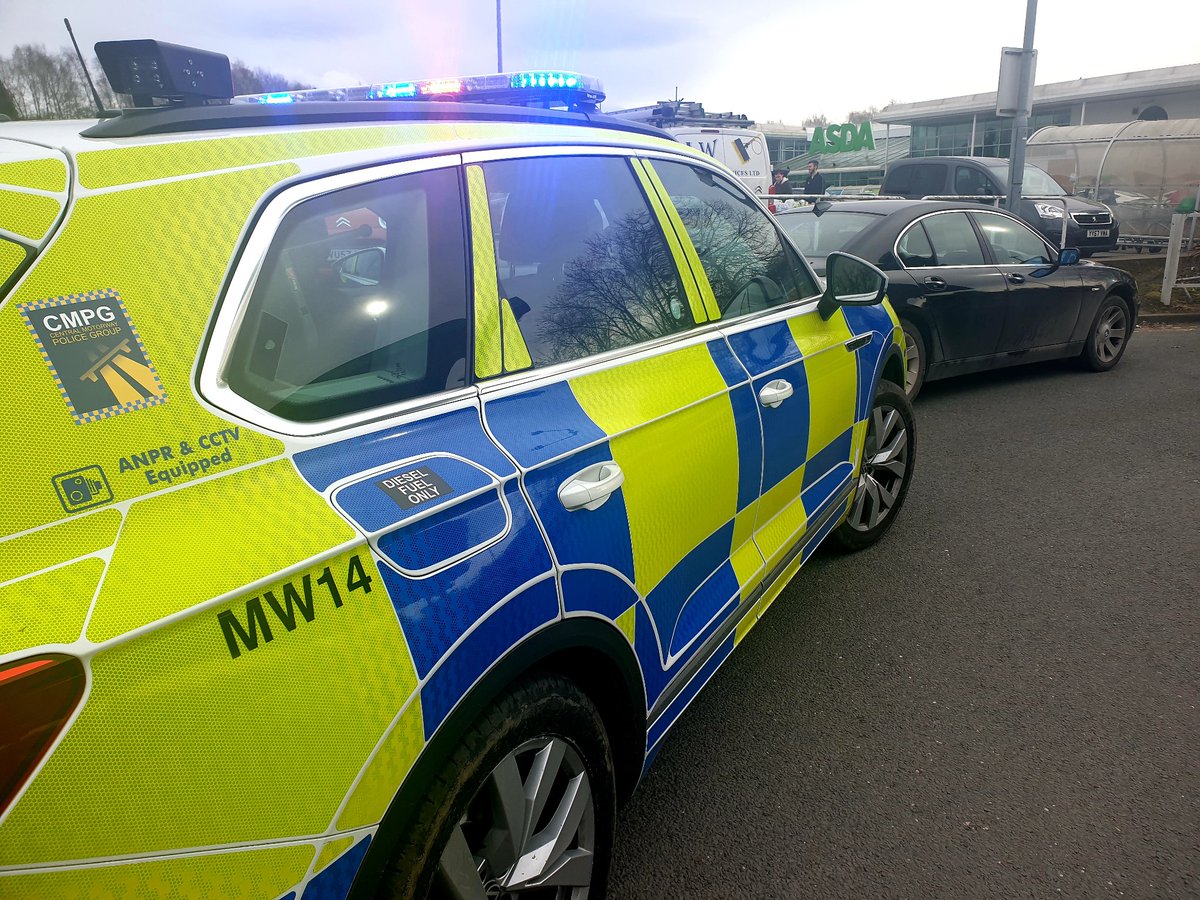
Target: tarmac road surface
<point x="1000" y="699"/>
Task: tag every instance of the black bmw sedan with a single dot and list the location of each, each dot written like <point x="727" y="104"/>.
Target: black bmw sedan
<point x="975" y="288"/>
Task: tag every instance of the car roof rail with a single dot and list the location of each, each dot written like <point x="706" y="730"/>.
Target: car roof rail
<point x="139" y="122"/>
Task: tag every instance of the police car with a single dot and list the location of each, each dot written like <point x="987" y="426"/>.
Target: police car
<point x="383" y="477"/>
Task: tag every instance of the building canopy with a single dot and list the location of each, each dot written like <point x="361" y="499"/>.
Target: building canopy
<point x="1145" y="171"/>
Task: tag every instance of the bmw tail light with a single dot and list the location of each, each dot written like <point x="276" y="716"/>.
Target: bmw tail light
<point x="38" y="694"/>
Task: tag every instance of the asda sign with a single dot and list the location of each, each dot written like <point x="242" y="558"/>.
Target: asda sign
<point x="842" y="138"/>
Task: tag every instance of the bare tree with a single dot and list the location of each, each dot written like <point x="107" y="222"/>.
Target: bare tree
<point x="247" y="80"/>
<point x="8" y="109"/>
<point x="44" y="84"/>
<point x="815" y="120"/>
<point x="859" y="116"/>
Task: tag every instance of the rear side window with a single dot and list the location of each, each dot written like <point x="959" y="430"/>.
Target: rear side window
<point x="746" y="261"/>
<point x="929" y="179"/>
<point x="914" y="248"/>
<point x="581" y="257"/>
<point x="953" y="239"/>
<point x="899" y="180"/>
<point x="362" y="301"/>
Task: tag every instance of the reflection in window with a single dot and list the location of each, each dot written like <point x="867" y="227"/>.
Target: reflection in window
<point x="1012" y="242"/>
<point x="581" y="257"/>
<point x="746" y="262"/>
<point x="914" y="248"/>
<point x="361" y="301"/>
<point x="953" y="239"/>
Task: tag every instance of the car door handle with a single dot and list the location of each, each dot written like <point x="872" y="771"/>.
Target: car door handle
<point x="935" y="284"/>
<point x="1015" y="277"/>
<point x="774" y="392"/>
<point x="590" y="487"/>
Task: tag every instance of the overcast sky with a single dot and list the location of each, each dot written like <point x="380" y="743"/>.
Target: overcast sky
<point x="772" y="61"/>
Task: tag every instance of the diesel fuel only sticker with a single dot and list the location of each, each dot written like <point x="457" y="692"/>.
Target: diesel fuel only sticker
<point x="95" y="354"/>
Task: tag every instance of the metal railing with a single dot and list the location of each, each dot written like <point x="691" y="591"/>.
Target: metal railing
<point x="1177" y="245"/>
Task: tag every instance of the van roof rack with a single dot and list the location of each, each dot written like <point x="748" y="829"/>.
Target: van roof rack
<point x="671" y="113"/>
<point x="179" y="119"/>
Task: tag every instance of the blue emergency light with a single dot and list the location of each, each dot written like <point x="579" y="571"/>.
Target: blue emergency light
<point x="542" y="88"/>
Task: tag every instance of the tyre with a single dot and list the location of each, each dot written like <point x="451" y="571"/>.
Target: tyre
<point x="915" y="358"/>
<point x="1108" y="336"/>
<point x="889" y="451"/>
<point x="1086" y="254"/>
<point x="525" y="807"/>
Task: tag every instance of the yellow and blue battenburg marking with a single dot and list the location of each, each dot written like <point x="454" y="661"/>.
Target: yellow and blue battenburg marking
<point x="396" y="566"/>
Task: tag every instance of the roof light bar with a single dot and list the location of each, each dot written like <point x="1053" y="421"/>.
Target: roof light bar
<point x="544" y="88"/>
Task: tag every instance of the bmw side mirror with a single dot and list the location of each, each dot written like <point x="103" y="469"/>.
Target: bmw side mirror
<point x="850" y="281"/>
<point x="1069" y="256"/>
<point x="361" y="268"/>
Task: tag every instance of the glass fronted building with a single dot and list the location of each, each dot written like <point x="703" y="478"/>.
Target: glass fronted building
<point x="968" y="125"/>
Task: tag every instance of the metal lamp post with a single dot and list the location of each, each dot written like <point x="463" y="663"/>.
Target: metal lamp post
<point x="499" y="49"/>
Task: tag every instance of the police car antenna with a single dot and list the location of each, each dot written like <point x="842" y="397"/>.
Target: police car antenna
<point x="100" y="111"/>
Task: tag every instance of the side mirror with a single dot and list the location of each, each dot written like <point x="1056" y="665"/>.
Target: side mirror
<point x="850" y="281"/>
<point x="1068" y="256"/>
<point x="362" y="268"/>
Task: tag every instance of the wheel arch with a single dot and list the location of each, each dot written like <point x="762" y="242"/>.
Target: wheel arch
<point x="893" y="367"/>
<point x="1126" y="293"/>
<point x="920" y="319"/>
<point x="588" y="650"/>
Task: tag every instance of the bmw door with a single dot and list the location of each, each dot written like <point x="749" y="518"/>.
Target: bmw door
<point x="1043" y="302"/>
<point x="964" y="293"/>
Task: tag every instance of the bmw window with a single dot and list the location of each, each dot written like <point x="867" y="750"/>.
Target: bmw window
<point x="1012" y="242"/>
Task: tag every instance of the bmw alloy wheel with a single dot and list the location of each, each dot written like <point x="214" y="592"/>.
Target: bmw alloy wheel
<point x="885" y="462"/>
<point x="912" y="366"/>
<point x="1110" y="333"/>
<point x="529" y="831"/>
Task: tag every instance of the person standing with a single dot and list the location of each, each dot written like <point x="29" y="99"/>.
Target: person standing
<point x="815" y="184"/>
<point x="781" y="185"/>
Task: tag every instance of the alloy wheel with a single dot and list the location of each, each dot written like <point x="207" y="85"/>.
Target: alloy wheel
<point x="912" y="365"/>
<point x="529" y="831"/>
<point x="1110" y="333"/>
<point x="885" y="462"/>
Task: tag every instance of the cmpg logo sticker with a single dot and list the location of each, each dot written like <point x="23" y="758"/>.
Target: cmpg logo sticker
<point x="95" y="354"/>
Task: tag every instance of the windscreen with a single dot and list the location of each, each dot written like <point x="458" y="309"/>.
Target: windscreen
<point x="1036" y="184"/>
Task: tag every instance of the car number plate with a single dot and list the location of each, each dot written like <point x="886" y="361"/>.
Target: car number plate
<point x="1097" y="232"/>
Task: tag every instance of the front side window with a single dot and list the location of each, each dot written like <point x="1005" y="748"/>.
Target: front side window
<point x="1012" y="242"/>
<point x="970" y="182"/>
<point x="747" y="263"/>
<point x="361" y="301"/>
<point x="581" y="257"/>
<point x="953" y="240"/>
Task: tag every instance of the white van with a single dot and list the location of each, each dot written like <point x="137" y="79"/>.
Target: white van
<point x="743" y="150"/>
